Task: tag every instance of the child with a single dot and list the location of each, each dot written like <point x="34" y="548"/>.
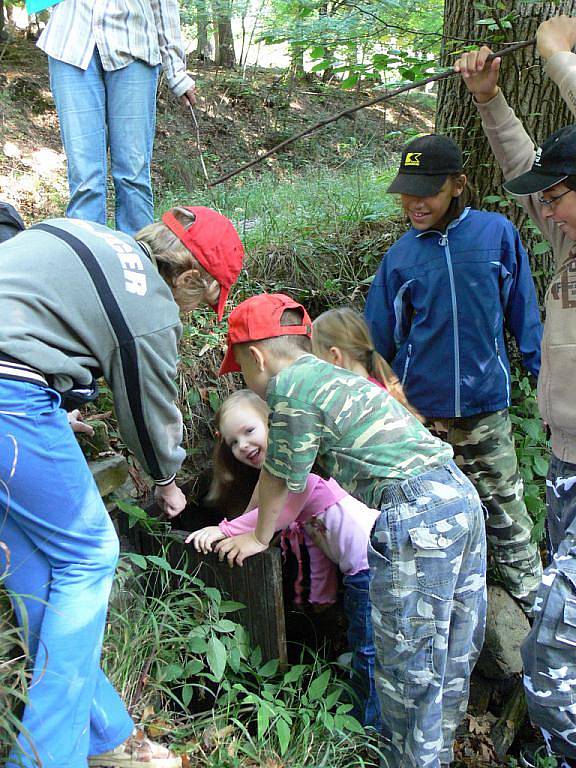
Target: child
<point x="437" y="310"/>
<point x="340" y="336"/>
<point x="427" y="550"/>
<point x="324" y="512"/>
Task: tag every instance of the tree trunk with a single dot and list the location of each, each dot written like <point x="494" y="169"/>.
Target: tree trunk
<point x="297" y="61"/>
<point x="532" y="95"/>
<point x="225" y="55"/>
<point x="203" y="48"/>
<point x="2" y="37"/>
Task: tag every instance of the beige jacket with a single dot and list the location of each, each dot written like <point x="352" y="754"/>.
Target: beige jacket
<point x="514" y="152"/>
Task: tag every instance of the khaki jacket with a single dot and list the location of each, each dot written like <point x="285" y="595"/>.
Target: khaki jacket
<point x="515" y="152"/>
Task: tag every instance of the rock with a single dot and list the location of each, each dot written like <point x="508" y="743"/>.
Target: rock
<point x="110" y="473"/>
<point x="506" y="628"/>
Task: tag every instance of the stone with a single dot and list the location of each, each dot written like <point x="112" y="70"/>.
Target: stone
<point x="506" y="628"/>
<point x="110" y="473"/>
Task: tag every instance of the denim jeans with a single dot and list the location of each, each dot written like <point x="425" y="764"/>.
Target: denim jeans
<point x="361" y="642"/>
<point x="62" y="555"/>
<point x="560" y="500"/>
<point x="427" y="557"/>
<point x="101" y="110"/>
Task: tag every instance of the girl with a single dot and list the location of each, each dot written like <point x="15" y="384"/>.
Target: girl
<point x="79" y="301"/>
<point x="438" y="309"/>
<point x="335" y="521"/>
<point x="341" y="337"/>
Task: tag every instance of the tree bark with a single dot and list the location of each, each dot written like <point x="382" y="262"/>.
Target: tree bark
<point x="531" y="94"/>
<point x="203" y="50"/>
<point x="225" y="54"/>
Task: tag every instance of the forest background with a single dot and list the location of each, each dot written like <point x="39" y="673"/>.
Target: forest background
<point x="315" y="220"/>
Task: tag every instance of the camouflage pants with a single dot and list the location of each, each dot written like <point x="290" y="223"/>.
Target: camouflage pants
<point x="484" y="451"/>
<point x="549" y="654"/>
<point x="427" y="557"/>
<point x="560" y="500"/>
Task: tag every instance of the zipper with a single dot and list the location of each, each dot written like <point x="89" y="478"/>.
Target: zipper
<point x="501" y="364"/>
<point x="406" y="364"/>
<point x="443" y="242"/>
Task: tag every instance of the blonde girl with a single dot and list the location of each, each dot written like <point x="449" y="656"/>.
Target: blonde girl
<point x="334" y="526"/>
<point x="341" y="336"/>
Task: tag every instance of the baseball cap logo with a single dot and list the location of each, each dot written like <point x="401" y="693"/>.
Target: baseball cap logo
<point x="413" y="158"/>
<point x="538" y="157"/>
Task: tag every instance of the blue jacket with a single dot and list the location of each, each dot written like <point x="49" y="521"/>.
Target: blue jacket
<point x="438" y="307"/>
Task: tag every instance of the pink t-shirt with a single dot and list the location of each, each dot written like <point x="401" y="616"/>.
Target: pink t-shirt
<point x="327" y="515"/>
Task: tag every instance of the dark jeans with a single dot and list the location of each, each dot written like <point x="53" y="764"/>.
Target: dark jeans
<point x="360" y="638"/>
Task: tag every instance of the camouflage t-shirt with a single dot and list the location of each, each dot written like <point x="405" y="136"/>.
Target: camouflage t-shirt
<point x="357" y="432"/>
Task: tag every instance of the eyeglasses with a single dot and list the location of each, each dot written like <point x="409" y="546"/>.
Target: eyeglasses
<point x="554" y="199"/>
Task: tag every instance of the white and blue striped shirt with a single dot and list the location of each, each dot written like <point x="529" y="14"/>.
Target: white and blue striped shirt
<point x="122" y="31"/>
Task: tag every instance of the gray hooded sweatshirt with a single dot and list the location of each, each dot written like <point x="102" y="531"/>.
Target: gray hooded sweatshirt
<point x="53" y="318"/>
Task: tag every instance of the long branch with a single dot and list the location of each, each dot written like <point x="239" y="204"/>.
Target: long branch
<point x="389" y="95"/>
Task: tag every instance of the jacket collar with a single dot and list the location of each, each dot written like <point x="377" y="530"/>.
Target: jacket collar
<point x="453" y="223"/>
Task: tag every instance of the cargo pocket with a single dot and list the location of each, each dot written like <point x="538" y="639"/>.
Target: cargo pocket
<point x="549" y="652"/>
<point x="406" y="652"/>
<point x="438" y="550"/>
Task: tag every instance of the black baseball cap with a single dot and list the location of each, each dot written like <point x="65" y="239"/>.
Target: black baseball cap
<point x="555" y="160"/>
<point x="426" y="164"/>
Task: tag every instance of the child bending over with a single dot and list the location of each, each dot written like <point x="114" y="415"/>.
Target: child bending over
<point x="427" y="549"/>
<point x="323" y="513"/>
<point x="341" y="337"/>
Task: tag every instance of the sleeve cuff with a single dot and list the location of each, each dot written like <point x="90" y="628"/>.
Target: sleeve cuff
<point x="166" y="481"/>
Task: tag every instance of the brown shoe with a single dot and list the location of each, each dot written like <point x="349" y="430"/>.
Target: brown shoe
<point x="137" y="752"/>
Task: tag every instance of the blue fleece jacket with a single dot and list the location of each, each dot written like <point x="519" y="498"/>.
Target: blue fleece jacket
<point x="438" y="307"/>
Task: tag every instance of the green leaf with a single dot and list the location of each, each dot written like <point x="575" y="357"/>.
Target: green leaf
<point x="138" y="560"/>
<point x="283" y="733"/>
<point x="317" y="52"/>
<point x="540" y="248"/>
<point x="318" y="686"/>
<point x="348" y="723"/>
<point x="197" y="645"/>
<point x="193" y="668"/>
<point x="224" y="625"/>
<point x="540" y="466"/>
<point x="171" y="672"/>
<point x="216" y="655"/>
<point x="160" y="562"/>
<point x="269" y="669"/>
<point x="214" y="400"/>
<point x="294" y="673"/>
<point x="350" y="81"/>
<point x="187" y="693"/>
<point x="229" y="606"/>
<point x="263" y="719"/>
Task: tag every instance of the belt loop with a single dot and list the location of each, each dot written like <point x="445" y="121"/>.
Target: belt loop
<point x="408" y="490"/>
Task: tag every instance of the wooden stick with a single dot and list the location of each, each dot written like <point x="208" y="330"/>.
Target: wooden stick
<point x="384" y="97"/>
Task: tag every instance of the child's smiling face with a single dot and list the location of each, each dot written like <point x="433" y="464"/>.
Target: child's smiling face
<point x="246" y="434"/>
<point x="429" y="212"/>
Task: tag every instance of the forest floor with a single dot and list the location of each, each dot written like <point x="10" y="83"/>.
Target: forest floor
<point x="239" y="116"/>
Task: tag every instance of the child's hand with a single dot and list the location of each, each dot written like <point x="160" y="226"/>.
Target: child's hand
<point x="556" y="34"/>
<point x="237" y="548"/>
<point x="481" y="78"/>
<point x="205" y="538"/>
<point x="78" y="424"/>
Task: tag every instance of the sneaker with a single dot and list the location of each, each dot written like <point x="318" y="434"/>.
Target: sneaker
<point x="137" y="752"/>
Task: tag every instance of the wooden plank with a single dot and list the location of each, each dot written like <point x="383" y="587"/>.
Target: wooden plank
<point x="257" y="584"/>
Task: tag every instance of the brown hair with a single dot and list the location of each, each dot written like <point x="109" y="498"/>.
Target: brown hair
<point x="172" y="258"/>
<point x="346" y="329"/>
<point x="232" y="481"/>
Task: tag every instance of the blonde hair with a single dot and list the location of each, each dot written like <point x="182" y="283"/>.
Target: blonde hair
<point x="172" y="258"/>
<point x="232" y="481"/>
<point x="346" y="329"/>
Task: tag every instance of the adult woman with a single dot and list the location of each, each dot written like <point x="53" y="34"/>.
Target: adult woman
<point x="78" y="300"/>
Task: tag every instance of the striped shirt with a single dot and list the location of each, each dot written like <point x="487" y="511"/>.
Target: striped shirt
<point x="122" y="31"/>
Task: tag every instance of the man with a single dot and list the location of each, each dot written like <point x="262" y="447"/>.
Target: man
<point x="545" y="182"/>
<point x="104" y="61"/>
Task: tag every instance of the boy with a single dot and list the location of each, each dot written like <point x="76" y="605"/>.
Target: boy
<point x="427" y="552"/>
<point x="545" y="183"/>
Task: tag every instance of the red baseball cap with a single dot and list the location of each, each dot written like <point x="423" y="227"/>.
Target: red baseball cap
<point x="214" y="243"/>
<point x="259" y="318"/>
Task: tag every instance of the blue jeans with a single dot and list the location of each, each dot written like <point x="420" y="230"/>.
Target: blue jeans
<point x="560" y="500"/>
<point x="427" y="557"/>
<point x="101" y="110"/>
<point x="361" y="642"/>
<point x="63" y="552"/>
